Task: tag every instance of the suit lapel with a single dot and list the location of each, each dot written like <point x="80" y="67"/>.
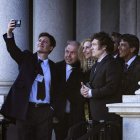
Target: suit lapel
<point x="92" y="72"/>
<point x="35" y="60"/>
<point x="128" y="74"/>
<point x="99" y="66"/>
<point x="51" y="69"/>
<point x="64" y="72"/>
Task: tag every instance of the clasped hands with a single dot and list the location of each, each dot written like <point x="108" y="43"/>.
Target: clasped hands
<point x="84" y="90"/>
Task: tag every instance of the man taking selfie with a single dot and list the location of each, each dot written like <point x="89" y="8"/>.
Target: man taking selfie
<point x="31" y="101"/>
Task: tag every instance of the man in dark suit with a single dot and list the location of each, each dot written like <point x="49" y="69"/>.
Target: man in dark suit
<point x="105" y="80"/>
<point x="71" y="110"/>
<point x="129" y="48"/>
<point x="116" y="39"/>
<point x="31" y="100"/>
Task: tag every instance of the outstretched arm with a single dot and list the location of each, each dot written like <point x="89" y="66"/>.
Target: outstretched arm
<point x="14" y="51"/>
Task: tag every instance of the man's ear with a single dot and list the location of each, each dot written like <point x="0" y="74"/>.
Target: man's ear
<point x="104" y="47"/>
<point x="132" y="49"/>
<point x="51" y="48"/>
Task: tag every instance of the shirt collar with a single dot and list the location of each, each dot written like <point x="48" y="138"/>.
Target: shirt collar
<point x="102" y="58"/>
<point x="45" y="62"/>
<point x="131" y="60"/>
<point x="115" y="56"/>
<point x="68" y="67"/>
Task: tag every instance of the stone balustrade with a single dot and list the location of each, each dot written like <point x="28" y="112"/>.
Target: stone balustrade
<point x="129" y="110"/>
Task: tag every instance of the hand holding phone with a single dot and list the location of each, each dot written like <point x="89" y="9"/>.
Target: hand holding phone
<point x="17" y="23"/>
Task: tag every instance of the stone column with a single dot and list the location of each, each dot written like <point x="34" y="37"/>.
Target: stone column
<point x="88" y="18"/>
<point x="56" y="18"/>
<point x="129" y="109"/>
<point x="128" y="16"/>
<point x="97" y="15"/>
<point x="12" y="9"/>
<point x="138" y="19"/>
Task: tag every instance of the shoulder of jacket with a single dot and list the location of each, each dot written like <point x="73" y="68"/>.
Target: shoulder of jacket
<point x="27" y="52"/>
<point x="50" y="61"/>
<point x="60" y="63"/>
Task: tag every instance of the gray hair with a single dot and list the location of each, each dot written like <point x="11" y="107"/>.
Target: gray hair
<point x="73" y="42"/>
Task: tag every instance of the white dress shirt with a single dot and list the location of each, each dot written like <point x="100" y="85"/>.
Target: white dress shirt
<point x="47" y="80"/>
<point x="130" y="61"/>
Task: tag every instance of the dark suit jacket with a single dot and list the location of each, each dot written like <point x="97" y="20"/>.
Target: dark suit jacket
<point x="70" y="90"/>
<point x="16" y="103"/>
<point x="120" y="60"/>
<point x="131" y="78"/>
<point x="106" y="88"/>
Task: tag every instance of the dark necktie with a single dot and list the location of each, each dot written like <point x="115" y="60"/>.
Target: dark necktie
<point x="73" y="68"/>
<point x="41" y="85"/>
<point x="125" y="68"/>
<point x="97" y="64"/>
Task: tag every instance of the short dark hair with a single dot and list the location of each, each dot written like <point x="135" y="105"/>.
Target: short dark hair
<point x="117" y="36"/>
<point x="104" y="39"/>
<point x="132" y="40"/>
<point x="52" y="40"/>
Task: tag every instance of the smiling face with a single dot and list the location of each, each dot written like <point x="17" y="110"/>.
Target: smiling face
<point x="126" y="52"/>
<point x="87" y="50"/>
<point x="71" y="54"/>
<point x="43" y="45"/>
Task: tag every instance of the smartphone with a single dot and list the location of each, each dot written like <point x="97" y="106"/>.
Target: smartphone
<point x="17" y="23"/>
<point x="88" y="85"/>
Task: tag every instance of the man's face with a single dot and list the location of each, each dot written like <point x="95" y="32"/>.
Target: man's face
<point x="114" y="39"/>
<point x="87" y="50"/>
<point x="71" y="54"/>
<point x="43" y="45"/>
<point x="97" y="52"/>
<point x="125" y="50"/>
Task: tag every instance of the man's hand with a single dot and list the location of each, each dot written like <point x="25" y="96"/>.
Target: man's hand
<point x="84" y="90"/>
<point x="10" y="28"/>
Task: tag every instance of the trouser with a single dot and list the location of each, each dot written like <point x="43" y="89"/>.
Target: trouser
<point x="38" y="124"/>
<point x="61" y="128"/>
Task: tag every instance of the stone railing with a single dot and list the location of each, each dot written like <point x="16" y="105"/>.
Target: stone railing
<point x="129" y="110"/>
<point x="4" y="89"/>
